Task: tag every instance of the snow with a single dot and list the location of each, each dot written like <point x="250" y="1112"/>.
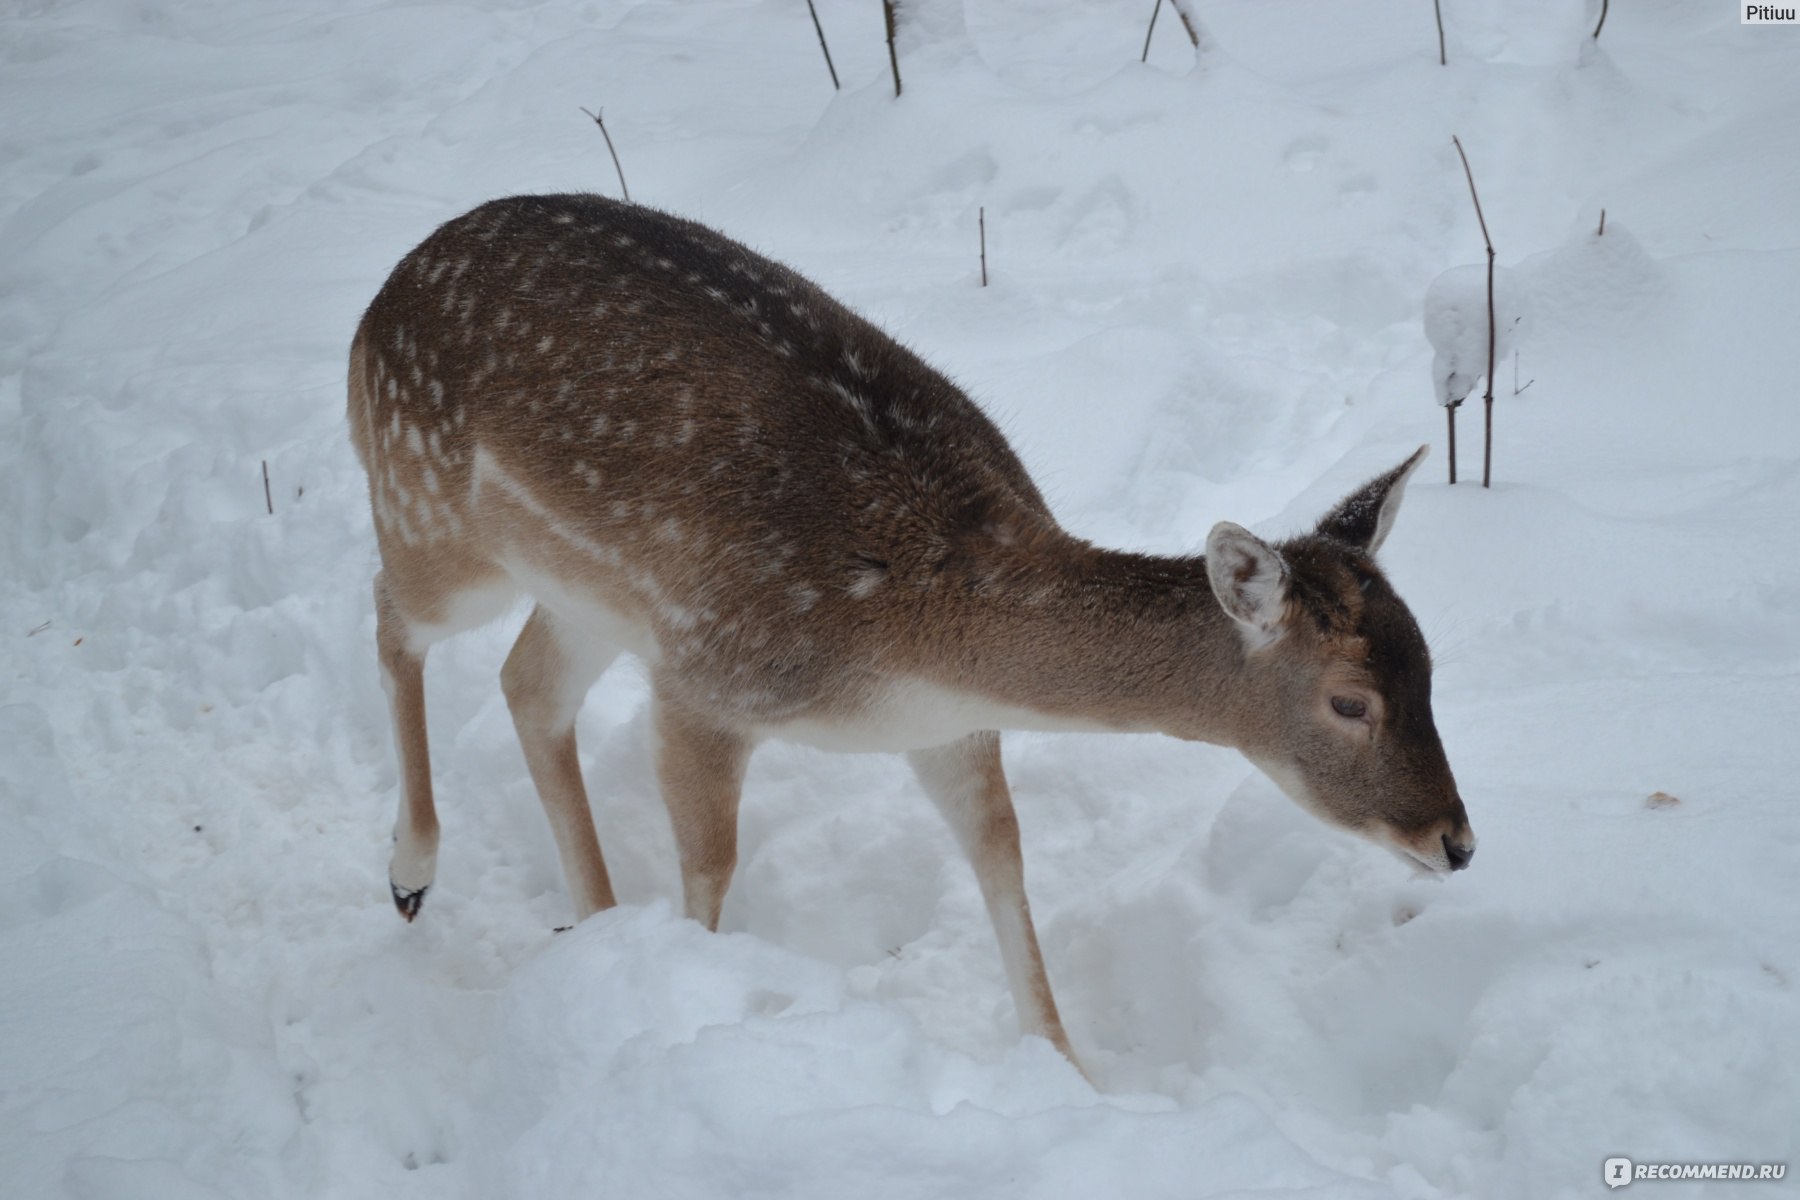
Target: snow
<point x="1208" y="277"/>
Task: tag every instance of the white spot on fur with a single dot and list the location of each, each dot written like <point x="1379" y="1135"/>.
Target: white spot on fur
<point x="487" y="470"/>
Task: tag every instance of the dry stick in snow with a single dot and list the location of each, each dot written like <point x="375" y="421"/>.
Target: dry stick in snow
<point x="1437" y="6"/>
<point x="1487" y="397"/>
<point x="1602" y="230"/>
<point x="1601" y="23"/>
<point x="887" y="12"/>
<point x="1450" y="418"/>
<point x="820" y="30"/>
<point x="1188" y="21"/>
<point x="981" y="217"/>
<point x="595" y="117"/>
<point x="268" y="497"/>
<point x="1516" y="388"/>
<point x="1145" y="57"/>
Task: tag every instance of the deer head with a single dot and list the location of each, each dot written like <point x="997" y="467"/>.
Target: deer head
<point x="1341" y="678"/>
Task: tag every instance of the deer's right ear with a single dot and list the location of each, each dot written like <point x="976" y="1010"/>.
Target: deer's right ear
<point x="1249" y="577"/>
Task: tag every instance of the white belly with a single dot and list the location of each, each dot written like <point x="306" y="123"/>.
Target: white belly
<point x="915" y="715"/>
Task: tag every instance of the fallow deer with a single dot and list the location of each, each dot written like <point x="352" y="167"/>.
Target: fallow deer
<point x="681" y="449"/>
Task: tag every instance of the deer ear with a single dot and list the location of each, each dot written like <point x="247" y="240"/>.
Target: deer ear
<point x="1364" y="517"/>
<point x="1249" y="578"/>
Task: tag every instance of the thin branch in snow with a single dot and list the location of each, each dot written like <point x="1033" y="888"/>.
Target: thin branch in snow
<point x="1516" y="388"/>
<point x="820" y="30"/>
<point x="595" y="117"/>
<point x="1437" y="6"/>
<point x="268" y="497"/>
<point x="981" y="217"/>
<point x="1602" y="230"/>
<point x="1601" y="24"/>
<point x="887" y="12"/>
<point x="1487" y="397"/>
<point x="1189" y="22"/>
<point x="38" y="630"/>
<point x="1450" y="416"/>
<point x="1185" y="10"/>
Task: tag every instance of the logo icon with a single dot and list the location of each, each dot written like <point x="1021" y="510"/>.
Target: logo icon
<point x="1617" y="1172"/>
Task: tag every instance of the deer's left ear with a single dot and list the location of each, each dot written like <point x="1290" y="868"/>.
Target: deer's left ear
<point x="1249" y="577"/>
<point x="1364" y="517"/>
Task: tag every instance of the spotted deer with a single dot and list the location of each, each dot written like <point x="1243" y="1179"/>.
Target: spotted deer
<point x="683" y="450"/>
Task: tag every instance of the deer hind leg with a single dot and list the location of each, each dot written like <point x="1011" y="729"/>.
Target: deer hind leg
<point x="701" y="768"/>
<point x="967" y="783"/>
<point x="414" y="863"/>
<point x="545" y="679"/>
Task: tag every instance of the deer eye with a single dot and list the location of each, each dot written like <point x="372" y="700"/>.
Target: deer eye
<point x="1349" y="707"/>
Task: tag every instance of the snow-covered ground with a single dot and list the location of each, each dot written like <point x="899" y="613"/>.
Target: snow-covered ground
<point x="1208" y="281"/>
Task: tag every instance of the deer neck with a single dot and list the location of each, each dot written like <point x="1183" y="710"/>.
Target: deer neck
<point x="1090" y="638"/>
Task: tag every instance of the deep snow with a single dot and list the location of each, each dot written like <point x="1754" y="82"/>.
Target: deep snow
<point x="1208" y="292"/>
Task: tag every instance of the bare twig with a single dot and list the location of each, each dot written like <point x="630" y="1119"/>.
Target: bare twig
<point x="1602" y="231"/>
<point x="1145" y="57"/>
<point x="1187" y="21"/>
<point x="268" y="497"/>
<point x="1601" y="23"/>
<point x="1473" y="194"/>
<point x="1450" y="416"/>
<point x="595" y="117"/>
<point x="1487" y="397"/>
<point x="981" y="217"/>
<point x="820" y="30"/>
<point x="38" y="630"/>
<point x="1516" y="388"/>
<point x="1437" y="6"/>
<point x="887" y="12"/>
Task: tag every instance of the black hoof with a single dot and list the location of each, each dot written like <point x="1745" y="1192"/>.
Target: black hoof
<point x="408" y="900"/>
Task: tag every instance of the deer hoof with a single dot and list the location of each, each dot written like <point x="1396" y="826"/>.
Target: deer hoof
<point x="408" y="900"/>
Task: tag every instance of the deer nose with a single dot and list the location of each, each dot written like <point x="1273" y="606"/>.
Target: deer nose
<point x="1458" y="851"/>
